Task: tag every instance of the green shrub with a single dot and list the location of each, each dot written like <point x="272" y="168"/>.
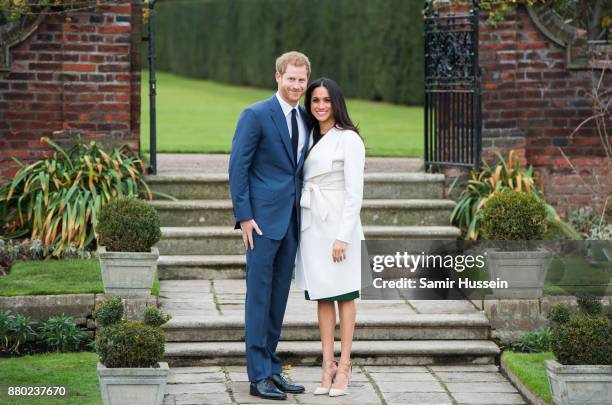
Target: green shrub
<point x="15" y="331"/>
<point x="61" y="333"/>
<point x="511" y="215"/>
<point x="536" y="341"/>
<point x="57" y="200"/>
<point x="154" y="317"/>
<point x="506" y="174"/>
<point x="559" y="314"/>
<point x="130" y="344"/>
<point x="583" y="339"/>
<point x="128" y="224"/>
<point x="109" y="312"/>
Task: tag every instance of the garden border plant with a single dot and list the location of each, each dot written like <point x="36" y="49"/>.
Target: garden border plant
<point x="57" y="200"/>
<point x="19" y="334"/>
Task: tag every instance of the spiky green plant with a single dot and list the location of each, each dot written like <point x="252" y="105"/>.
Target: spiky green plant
<point x="57" y="199"/>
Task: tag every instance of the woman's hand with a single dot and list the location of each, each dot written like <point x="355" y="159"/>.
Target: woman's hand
<point x="339" y="251"/>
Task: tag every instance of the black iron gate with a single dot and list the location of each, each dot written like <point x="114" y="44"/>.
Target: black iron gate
<point x="452" y="88"/>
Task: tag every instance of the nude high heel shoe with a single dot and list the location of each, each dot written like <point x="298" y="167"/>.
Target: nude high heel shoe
<point x="347" y="371"/>
<point x="330" y="367"/>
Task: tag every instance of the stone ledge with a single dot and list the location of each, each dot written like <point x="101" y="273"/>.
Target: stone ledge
<point x="78" y="306"/>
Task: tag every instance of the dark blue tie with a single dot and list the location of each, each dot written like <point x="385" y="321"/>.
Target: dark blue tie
<point x="295" y="133"/>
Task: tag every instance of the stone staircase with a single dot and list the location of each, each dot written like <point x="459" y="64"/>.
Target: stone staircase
<point x="201" y="269"/>
<point x="199" y="242"/>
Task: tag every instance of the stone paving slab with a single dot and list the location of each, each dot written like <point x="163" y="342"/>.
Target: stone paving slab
<point x="420" y="398"/>
<point x="370" y="385"/>
<point x="195" y="299"/>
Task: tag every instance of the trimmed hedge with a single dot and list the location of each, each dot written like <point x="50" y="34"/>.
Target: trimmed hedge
<point x="127" y="224"/>
<point x="372" y="48"/>
<point x="582" y="338"/>
<point x="130" y="344"/>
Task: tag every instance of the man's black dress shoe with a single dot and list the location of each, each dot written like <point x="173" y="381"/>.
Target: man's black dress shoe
<point x="266" y="389"/>
<point x="285" y="386"/>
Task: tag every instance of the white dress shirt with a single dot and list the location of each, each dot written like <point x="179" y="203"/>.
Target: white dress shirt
<point x="286" y="107"/>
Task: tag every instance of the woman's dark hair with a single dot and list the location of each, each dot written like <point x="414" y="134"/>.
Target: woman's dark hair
<point x="341" y="117"/>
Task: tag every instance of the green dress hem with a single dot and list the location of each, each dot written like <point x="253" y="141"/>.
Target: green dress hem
<point x="342" y="297"/>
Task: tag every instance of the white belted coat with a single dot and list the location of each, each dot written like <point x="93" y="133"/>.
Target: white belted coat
<point x="332" y="195"/>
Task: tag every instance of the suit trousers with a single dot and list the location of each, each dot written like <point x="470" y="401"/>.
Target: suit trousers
<point x="268" y="278"/>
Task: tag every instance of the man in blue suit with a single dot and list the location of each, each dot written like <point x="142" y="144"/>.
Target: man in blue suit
<point x="265" y="169"/>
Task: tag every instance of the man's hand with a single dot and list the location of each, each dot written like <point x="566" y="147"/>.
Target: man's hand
<point x="339" y="251"/>
<point x="247" y="232"/>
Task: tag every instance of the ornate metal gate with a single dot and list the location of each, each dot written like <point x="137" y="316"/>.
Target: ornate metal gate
<point x="452" y="88"/>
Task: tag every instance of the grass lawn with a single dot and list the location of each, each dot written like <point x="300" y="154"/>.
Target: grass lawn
<point x="200" y="116"/>
<point x="529" y="368"/>
<point x="75" y="371"/>
<point x="51" y="277"/>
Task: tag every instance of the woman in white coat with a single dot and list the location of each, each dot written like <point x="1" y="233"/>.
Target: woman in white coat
<point x="328" y="264"/>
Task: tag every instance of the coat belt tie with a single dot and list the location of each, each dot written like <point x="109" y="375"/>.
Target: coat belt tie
<point x="312" y="192"/>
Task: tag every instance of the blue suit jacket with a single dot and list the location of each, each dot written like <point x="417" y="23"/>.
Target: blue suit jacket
<point x="265" y="181"/>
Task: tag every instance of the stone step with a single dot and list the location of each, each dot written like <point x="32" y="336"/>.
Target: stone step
<point x="308" y="353"/>
<point x="215" y="186"/>
<point x="201" y="267"/>
<point x="373" y="212"/>
<point x="369" y="326"/>
<point x="223" y="240"/>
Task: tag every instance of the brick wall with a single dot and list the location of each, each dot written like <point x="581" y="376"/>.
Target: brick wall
<point x="531" y="102"/>
<point x="74" y="75"/>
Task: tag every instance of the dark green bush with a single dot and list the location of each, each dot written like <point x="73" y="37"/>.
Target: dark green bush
<point x="583" y="339"/>
<point x="559" y="314"/>
<point x="130" y="344"/>
<point x="61" y="333"/>
<point x="512" y="215"/>
<point x="589" y="305"/>
<point x="535" y="341"/>
<point x="109" y="312"/>
<point x="154" y="317"/>
<point x="128" y="224"/>
<point x="382" y="59"/>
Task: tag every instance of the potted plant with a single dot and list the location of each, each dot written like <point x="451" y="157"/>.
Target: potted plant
<point x="582" y="344"/>
<point x="130" y="371"/>
<point x="127" y="229"/>
<point x="520" y="218"/>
